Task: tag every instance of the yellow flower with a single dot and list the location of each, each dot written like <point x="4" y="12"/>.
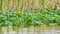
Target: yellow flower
<point x="4" y="18"/>
<point x="18" y="12"/>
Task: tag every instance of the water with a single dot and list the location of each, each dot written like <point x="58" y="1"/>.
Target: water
<point x="41" y="32"/>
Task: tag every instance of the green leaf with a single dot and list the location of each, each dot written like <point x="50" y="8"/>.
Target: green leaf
<point x="8" y="22"/>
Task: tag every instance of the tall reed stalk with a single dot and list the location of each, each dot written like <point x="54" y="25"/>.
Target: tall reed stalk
<point x="1" y="1"/>
<point x="0" y="29"/>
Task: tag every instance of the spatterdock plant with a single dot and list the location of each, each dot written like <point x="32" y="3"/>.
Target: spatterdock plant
<point x="1" y="23"/>
<point x="7" y="21"/>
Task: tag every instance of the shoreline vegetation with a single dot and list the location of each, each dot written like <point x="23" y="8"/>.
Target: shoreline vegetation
<point x="37" y="14"/>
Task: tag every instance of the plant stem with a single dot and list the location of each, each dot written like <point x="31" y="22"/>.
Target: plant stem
<point x="0" y="30"/>
<point x="7" y="29"/>
<point x="17" y="30"/>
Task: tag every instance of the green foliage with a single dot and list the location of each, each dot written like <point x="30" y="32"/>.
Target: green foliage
<point x="27" y="19"/>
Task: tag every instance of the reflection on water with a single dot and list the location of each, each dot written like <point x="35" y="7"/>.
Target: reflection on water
<point x="33" y="30"/>
<point x="41" y="32"/>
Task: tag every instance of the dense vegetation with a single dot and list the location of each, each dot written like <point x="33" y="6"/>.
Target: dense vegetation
<point x="30" y="18"/>
<point x="27" y="13"/>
